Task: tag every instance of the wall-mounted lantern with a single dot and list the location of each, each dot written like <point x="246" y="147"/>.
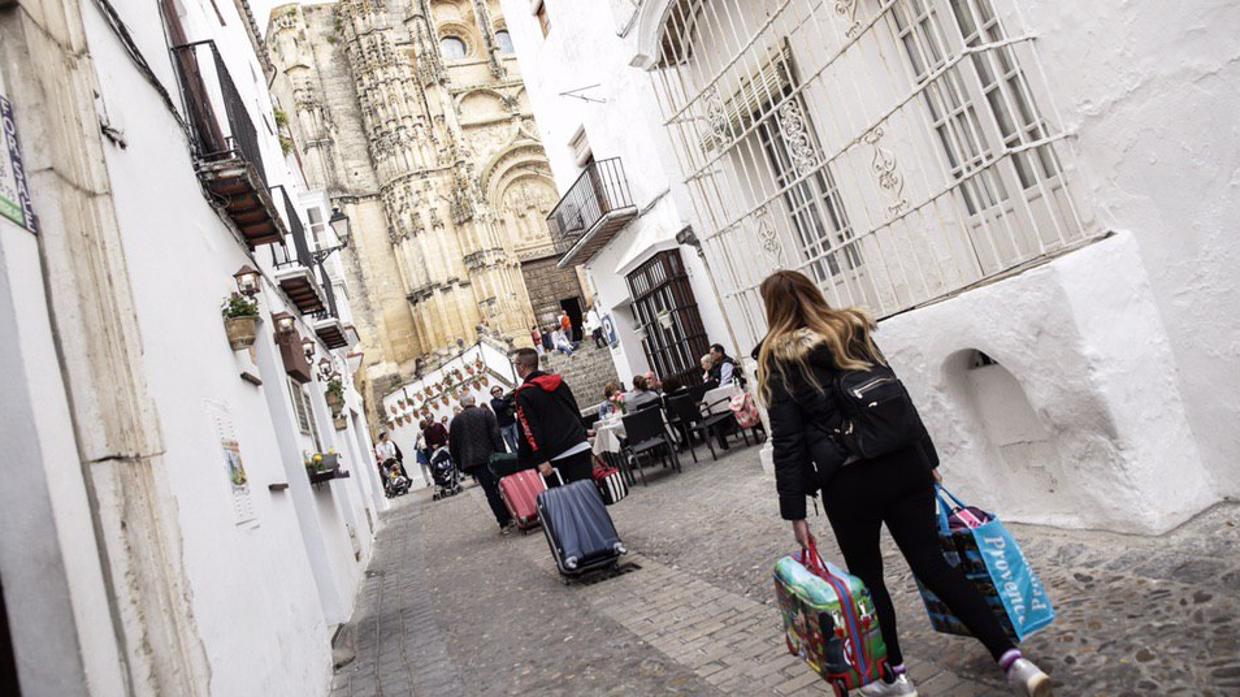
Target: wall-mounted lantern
<point x="247" y="280"/>
<point x="307" y="346"/>
<point x="340" y="225"/>
<point x="284" y="322"/>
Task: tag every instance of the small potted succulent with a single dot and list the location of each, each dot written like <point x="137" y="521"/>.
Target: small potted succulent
<point x="240" y="320"/>
<point x="335" y="396"/>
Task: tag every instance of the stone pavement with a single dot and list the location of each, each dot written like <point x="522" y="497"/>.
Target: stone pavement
<point x="452" y="608"/>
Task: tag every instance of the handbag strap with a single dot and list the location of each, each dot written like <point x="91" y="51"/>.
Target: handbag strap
<point x="945" y="500"/>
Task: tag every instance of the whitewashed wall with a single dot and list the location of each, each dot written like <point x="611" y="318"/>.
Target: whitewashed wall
<point x="1151" y="88"/>
<point x="264" y="593"/>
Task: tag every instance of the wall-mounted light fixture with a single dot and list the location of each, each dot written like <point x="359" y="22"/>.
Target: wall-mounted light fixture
<point x="340" y="225"/>
<point x="247" y="280"/>
<point x="284" y="322"/>
<point x="307" y="345"/>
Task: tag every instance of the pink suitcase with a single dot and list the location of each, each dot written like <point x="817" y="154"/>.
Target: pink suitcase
<point x="520" y="492"/>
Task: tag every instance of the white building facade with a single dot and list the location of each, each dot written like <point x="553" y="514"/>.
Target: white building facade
<point x="625" y="215"/>
<point x="164" y="534"/>
<point x="1043" y="220"/>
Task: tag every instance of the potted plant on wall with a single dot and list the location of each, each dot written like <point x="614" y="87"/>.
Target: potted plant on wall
<point x="240" y="320"/>
<point x="335" y="396"/>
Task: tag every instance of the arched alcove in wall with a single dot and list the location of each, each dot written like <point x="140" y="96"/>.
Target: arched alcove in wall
<point x="1022" y="452"/>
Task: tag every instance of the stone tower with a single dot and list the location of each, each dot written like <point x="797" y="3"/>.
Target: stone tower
<point x="412" y="115"/>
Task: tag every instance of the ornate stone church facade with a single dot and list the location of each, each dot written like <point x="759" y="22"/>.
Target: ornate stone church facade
<point x="413" y="116"/>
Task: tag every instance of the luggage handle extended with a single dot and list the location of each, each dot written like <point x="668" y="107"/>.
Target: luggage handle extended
<point x="557" y="474"/>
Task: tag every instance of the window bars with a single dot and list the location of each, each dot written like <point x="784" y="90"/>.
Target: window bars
<point x="895" y="151"/>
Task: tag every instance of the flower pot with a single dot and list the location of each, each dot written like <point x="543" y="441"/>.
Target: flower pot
<point x="335" y="402"/>
<point x="242" y="331"/>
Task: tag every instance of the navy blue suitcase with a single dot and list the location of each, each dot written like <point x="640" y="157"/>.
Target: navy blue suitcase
<point x="578" y="528"/>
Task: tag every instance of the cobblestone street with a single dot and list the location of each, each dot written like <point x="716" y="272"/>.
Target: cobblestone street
<point x="452" y="608"/>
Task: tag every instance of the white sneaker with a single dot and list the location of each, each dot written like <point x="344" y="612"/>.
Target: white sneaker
<point x="902" y="687"/>
<point x="1028" y="680"/>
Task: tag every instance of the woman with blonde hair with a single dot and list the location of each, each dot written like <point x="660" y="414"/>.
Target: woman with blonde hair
<point x="808" y="346"/>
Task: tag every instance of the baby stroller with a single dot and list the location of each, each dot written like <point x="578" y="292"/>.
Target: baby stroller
<point x="443" y="471"/>
<point x="394" y="483"/>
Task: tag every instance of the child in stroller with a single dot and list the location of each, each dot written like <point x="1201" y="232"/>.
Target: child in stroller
<point x="447" y="480"/>
<point x="394" y="483"/>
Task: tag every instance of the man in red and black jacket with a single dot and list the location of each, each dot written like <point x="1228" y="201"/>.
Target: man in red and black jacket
<point x="551" y="433"/>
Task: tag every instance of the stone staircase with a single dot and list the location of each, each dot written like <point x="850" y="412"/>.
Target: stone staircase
<point x="586" y="372"/>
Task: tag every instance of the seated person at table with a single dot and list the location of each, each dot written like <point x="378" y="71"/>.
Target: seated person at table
<point x="724" y="369"/>
<point x="608" y="407"/>
<point x="640" y="395"/>
<point x="708" y="367"/>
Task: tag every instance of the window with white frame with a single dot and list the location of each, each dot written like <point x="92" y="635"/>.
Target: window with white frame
<point x="897" y="145"/>
<point x="318" y="227"/>
<point x="301" y="407"/>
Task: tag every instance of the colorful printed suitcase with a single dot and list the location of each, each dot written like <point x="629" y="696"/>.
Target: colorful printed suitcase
<point x="830" y="621"/>
<point x="520" y="493"/>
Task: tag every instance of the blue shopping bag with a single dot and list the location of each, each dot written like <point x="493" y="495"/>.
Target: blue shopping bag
<point x="992" y="561"/>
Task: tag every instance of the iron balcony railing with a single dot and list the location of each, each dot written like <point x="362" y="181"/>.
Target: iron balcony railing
<point x="207" y="88"/>
<point x="601" y="189"/>
<point x="280" y="255"/>
<point x="329" y="310"/>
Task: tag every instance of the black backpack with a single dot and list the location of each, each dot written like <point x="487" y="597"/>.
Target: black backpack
<point x="878" y="415"/>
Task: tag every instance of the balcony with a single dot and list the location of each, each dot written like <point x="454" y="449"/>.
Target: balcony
<point x="227" y="157"/>
<point x="597" y="206"/>
<point x="294" y="271"/>
<point x="327" y="324"/>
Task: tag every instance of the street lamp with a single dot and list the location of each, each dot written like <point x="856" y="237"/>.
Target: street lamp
<point x="284" y="322"/>
<point x="340" y="225"/>
<point x="247" y="280"/>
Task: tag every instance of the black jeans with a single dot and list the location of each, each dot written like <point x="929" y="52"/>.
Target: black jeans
<point x="573" y="468"/>
<point x="900" y="492"/>
<point x="490" y="485"/>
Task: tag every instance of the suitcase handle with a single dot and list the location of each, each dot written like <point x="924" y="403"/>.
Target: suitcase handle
<point x="557" y="475"/>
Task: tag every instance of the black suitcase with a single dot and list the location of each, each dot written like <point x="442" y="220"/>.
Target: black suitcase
<point x="578" y="528"/>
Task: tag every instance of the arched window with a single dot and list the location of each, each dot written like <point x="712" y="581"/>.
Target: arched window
<point x="504" y="40"/>
<point x="452" y="47"/>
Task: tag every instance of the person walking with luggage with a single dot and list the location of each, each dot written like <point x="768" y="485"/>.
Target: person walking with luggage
<point x="808" y="346"/>
<point x="472" y="439"/>
<point x="549" y="423"/>
<point x="505" y="417"/>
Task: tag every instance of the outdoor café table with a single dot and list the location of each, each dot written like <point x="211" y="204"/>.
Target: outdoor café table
<point x="716" y="401"/>
<point x="607" y="436"/>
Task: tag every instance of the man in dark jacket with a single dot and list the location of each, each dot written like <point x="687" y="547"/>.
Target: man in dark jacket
<point x="504" y="415"/>
<point x="472" y="438"/>
<point x="549" y="421"/>
<point x="725" y="370"/>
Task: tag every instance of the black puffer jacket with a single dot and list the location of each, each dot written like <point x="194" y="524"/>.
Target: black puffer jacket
<point x="803" y="419"/>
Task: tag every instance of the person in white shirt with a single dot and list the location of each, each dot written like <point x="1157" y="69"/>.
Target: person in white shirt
<point x="594" y="326"/>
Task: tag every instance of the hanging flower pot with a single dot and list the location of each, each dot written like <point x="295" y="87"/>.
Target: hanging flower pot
<point x="242" y="331"/>
<point x="469" y="369"/>
<point x="486" y="381"/>
<point x="392" y="409"/>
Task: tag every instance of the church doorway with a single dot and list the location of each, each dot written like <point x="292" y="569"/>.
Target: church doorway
<point x="573" y="307"/>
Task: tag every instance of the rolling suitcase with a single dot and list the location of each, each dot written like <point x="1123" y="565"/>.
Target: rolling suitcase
<point x="578" y="529"/>
<point x="829" y="621"/>
<point x="520" y="493"/>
